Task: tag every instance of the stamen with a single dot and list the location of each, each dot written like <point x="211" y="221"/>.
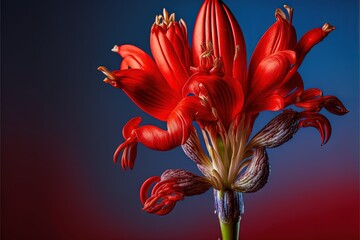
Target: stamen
<point x="208" y="50"/>
<point x="165" y="19"/>
<point x="281" y="13"/>
<point x="216" y="176"/>
<point x="237" y="50"/>
<point x="166" y="15"/>
<point x="328" y="27"/>
<point x="290" y="12"/>
<point x="110" y="75"/>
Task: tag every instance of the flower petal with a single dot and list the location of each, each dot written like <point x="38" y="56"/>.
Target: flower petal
<point x="134" y="57"/>
<point x="334" y="105"/>
<point x="239" y="70"/>
<point x="216" y="24"/>
<point x="310" y="39"/>
<point x="318" y="121"/>
<point x="272" y="102"/>
<point x="179" y="128"/>
<point x="151" y="93"/>
<point x="172" y="187"/>
<point x="225" y="98"/>
<point x="270" y="73"/>
<point x="279" y="37"/>
<point x="179" y="125"/>
<point x="291" y="90"/>
<point x="171" y="50"/>
<point x="256" y="175"/>
<point x="278" y="131"/>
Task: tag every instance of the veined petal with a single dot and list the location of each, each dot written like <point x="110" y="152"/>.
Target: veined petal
<point x="193" y="149"/>
<point x="239" y="70"/>
<point x="150" y="92"/>
<point x="225" y="98"/>
<point x="279" y="37"/>
<point x="171" y="50"/>
<point x="171" y="187"/>
<point x="318" y="121"/>
<point x="216" y="24"/>
<point x="271" y="72"/>
<point x="256" y="175"/>
<point x="278" y="131"/>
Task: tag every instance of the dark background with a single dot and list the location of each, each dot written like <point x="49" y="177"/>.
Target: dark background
<point x="60" y="125"/>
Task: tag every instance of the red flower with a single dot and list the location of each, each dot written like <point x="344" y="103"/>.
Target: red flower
<point x="212" y="85"/>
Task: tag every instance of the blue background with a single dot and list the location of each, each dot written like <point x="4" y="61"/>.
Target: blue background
<point x="60" y="125"/>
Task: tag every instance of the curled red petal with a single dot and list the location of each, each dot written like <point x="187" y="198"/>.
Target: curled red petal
<point x="131" y="125"/>
<point x="172" y="187"/>
<point x="318" y="121"/>
<point x="179" y="125"/>
<point x="146" y="186"/>
<point x="310" y="94"/>
<point x="334" y="105"/>
<point x="129" y="149"/>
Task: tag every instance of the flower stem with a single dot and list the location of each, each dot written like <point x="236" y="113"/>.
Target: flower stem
<point x="230" y="231"/>
<point x="229" y="207"/>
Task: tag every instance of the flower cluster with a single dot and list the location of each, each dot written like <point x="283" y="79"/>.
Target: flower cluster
<point x="212" y="85"/>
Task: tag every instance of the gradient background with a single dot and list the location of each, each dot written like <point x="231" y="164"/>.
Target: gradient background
<point x="60" y="125"/>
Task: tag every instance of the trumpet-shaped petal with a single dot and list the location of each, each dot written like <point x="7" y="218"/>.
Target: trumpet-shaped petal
<point x="171" y="187"/>
<point x="310" y="39"/>
<point x="216" y="24"/>
<point x="279" y="37"/>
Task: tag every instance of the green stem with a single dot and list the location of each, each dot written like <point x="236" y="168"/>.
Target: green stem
<point x="229" y="207"/>
<point x="230" y="231"/>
